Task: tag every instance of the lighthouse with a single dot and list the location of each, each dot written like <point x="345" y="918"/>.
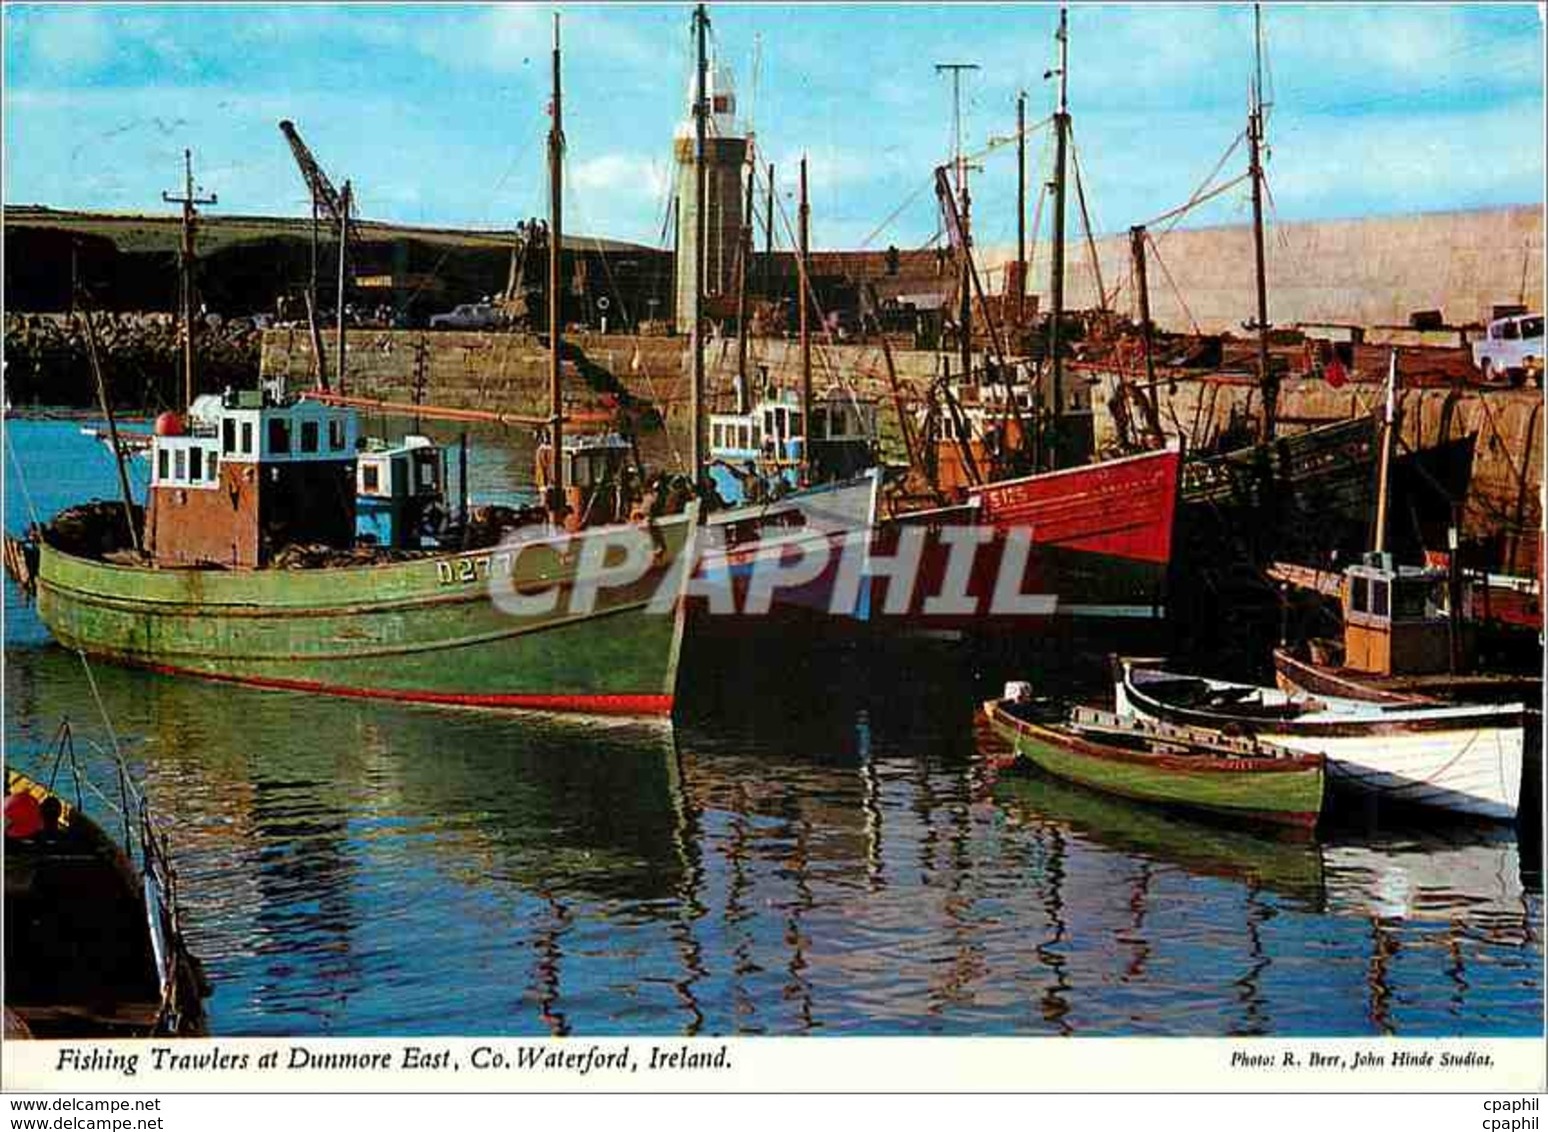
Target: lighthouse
<point x="725" y="161"/>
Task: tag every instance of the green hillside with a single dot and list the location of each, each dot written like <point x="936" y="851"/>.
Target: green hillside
<point x="161" y="233"/>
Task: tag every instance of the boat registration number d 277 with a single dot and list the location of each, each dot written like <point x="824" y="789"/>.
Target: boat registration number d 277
<point x="474" y="568"/>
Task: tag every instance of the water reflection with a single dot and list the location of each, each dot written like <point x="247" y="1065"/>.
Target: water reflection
<point x="821" y="849"/>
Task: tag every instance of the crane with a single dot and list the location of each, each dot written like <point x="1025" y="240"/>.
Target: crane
<point x="324" y="196"/>
<point x="336" y="204"/>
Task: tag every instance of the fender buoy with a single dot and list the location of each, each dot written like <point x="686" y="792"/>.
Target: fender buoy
<point x="23" y="815"/>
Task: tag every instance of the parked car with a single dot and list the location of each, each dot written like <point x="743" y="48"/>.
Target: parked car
<point x="1511" y="348"/>
<point x="467" y="316"/>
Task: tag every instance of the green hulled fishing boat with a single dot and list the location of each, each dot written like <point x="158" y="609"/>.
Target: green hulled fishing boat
<point x="1176" y="766"/>
<point x="429" y="627"/>
<point x="273" y="550"/>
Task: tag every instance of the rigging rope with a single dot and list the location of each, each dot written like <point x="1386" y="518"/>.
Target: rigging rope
<point x="21" y="478"/>
<point x="895" y="213"/>
<point x="1180" y="210"/>
<point x="1198" y="197"/>
<point x="639" y="354"/>
<point x="1085" y="219"/>
<point x="1161" y="263"/>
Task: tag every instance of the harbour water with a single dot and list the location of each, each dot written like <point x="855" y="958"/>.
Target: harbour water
<point x="818" y="846"/>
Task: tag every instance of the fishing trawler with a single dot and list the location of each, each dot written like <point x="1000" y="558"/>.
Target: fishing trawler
<point x="1008" y="468"/>
<point x="1406" y="634"/>
<point x="792" y="477"/>
<point x="249" y="564"/>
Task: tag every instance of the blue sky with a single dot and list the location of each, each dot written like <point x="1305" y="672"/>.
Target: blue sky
<point x="438" y="113"/>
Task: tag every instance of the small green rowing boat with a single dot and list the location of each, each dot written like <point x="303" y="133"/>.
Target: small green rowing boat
<point x="1177" y="766"/>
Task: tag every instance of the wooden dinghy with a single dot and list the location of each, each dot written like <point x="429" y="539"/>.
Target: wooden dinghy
<point x="93" y="945"/>
<point x="1465" y="759"/>
<point x="1159" y="763"/>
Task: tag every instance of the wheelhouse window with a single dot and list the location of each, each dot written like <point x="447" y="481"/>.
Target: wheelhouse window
<point x="180" y="465"/>
<point x="335" y="434"/>
<point x="1411" y="600"/>
<point x="1359" y="595"/>
<point x="228" y="436"/>
<point x="309" y="432"/>
<point x="196" y="464"/>
<point x="163" y="465"/>
<point x="370" y="477"/>
<point x="212" y="473"/>
<point x="1379" y="604"/>
<point x="247" y="438"/>
<point x="279" y="436"/>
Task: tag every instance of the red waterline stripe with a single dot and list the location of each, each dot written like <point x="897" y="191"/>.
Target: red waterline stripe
<point x="586" y="704"/>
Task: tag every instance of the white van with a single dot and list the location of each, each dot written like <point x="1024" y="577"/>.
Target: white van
<point x="1512" y="348"/>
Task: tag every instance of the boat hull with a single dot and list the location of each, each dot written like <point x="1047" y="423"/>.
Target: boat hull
<point x="92" y="948"/>
<point x="1091" y="544"/>
<point x="1466" y="760"/>
<point x="1294" y="675"/>
<point x="774" y="539"/>
<point x="1277" y="791"/>
<point x="435" y="630"/>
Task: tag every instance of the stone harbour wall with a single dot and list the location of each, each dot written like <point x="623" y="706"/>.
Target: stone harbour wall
<point x="1368" y="272"/>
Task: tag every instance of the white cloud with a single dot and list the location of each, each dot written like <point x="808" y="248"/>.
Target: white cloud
<point x="630" y="174"/>
<point x="506" y="38"/>
<point x="1412" y="161"/>
<point x="68" y="38"/>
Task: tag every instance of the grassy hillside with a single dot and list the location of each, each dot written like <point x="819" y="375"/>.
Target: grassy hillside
<point x="161" y="233"/>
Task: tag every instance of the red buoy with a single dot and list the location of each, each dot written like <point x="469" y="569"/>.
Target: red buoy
<point x="23" y="815"/>
<point x="170" y="424"/>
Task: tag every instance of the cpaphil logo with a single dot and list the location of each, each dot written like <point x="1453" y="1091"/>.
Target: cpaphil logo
<point x="952" y="571"/>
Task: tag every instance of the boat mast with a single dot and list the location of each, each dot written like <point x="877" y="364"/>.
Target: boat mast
<point x="1021" y="208"/>
<point x="701" y="229"/>
<point x="804" y="222"/>
<point x="1056" y="283"/>
<point x="1149" y="396"/>
<point x="768" y="239"/>
<point x="105" y="403"/>
<point x="743" y="281"/>
<point x="186" y="267"/>
<point x="346" y="195"/>
<point x="1268" y="382"/>
<point x="1384" y="474"/>
<point x="555" y="317"/>
<point x="959" y="164"/>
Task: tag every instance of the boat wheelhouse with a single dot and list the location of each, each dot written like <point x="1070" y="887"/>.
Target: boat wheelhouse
<point x="597" y="470"/>
<point x="985" y="422"/>
<point x="246" y="474"/>
<point x="758" y="454"/>
<point x="399" y="493"/>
